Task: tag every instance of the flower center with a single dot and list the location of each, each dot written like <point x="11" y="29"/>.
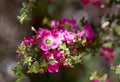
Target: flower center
<point x="48" y="41"/>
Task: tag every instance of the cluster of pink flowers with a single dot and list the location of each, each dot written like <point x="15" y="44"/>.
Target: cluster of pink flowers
<point x="93" y="2"/>
<point x="107" y="53"/>
<point x="60" y="42"/>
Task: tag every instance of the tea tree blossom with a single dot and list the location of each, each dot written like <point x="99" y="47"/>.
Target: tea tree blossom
<point x="107" y="53"/>
<point x="89" y="32"/>
<point x="48" y="40"/>
<point x="68" y="23"/>
<point x="70" y="37"/>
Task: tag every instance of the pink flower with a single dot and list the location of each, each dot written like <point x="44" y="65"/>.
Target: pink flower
<point x="29" y="40"/>
<point x="48" y="40"/>
<point x="70" y="37"/>
<point x="53" y="67"/>
<point x="47" y="55"/>
<point x="80" y="33"/>
<point x="94" y="2"/>
<point x="107" y="53"/>
<point x="39" y="32"/>
<point x="89" y="32"/>
<point x="69" y="24"/>
<point x="58" y="54"/>
<point x="108" y="80"/>
<point x="53" y="23"/>
<point x="61" y="34"/>
<point x="96" y="80"/>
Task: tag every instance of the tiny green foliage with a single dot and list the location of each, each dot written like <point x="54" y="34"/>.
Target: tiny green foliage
<point x="117" y="29"/>
<point x="95" y="76"/>
<point x="25" y="11"/>
<point x="19" y="72"/>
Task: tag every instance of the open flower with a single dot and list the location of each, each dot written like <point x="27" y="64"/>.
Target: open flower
<point x="70" y="24"/>
<point x="53" y="67"/>
<point x="107" y="53"/>
<point x="61" y="34"/>
<point x="89" y="32"/>
<point x="70" y="37"/>
<point x="48" y="40"/>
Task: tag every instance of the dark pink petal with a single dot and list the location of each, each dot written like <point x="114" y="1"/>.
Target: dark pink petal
<point x="45" y="48"/>
<point x="67" y="66"/>
<point x="102" y="54"/>
<point x="63" y="21"/>
<point x="88" y="27"/>
<point x="73" y="22"/>
<point x="95" y="80"/>
<point x="107" y="53"/>
<point x="29" y="40"/>
<point x="111" y="57"/>
<point x="90" y="35"/>
<point x="85" y="1"/>
<point x="89" y="32"/>
<point x="47" y="55"/>
<point x="81" y="33"/>
<point x="58" y="55"/>
<point x="46" y="33"/>
<point x="107" y="58"/>
<point x="49" y="0"/>
<point x="108" y="80"/>
<point x="96" y="3"/>
<point x="53" y="68"/>
<point x="110" y="50"/>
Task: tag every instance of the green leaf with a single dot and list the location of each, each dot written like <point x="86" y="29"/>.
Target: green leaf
<point x="94" y="75"/>
<point x="25" y="11"/>
<point x="62" y="46"/>
<point x="33" y="29"/>
<point x="18" y="72"/>
<point x="104" y="77"/>
<point x="46" y="21"/>
<point x="27" y="60"/>
<point x="117" y="29"/>
<point x="34" y="69"/>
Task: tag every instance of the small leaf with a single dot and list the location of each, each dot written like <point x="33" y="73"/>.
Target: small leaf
<point x="117" y="29"/>
<point x="34" y="69"/>
<point x="33" y="29"/>
<point x="46" y="21"/>
<point x="27" y="60"/>
<point x="62" y="46"/>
